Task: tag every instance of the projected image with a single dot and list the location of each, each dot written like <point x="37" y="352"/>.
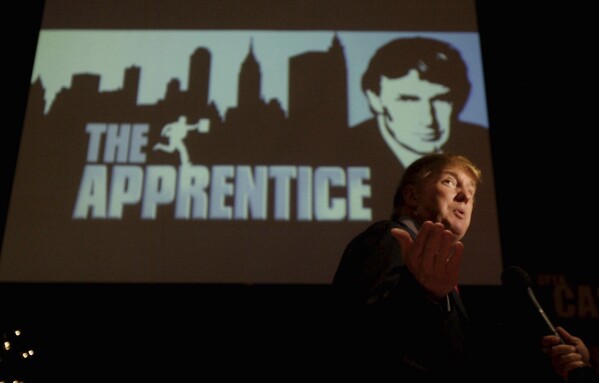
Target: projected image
<point x="416" y="88"/>
<point x="234" y="156"/>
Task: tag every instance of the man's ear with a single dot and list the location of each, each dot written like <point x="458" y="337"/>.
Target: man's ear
<point x="375" y="102"/>
<point x="410" y="197"/>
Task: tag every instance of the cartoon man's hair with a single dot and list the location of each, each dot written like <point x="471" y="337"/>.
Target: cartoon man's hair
<point x="436" y="61"/>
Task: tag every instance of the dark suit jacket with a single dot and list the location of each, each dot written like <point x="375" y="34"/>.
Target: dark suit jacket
<point x="375" y="288"/>
<point x="390" y="325"/>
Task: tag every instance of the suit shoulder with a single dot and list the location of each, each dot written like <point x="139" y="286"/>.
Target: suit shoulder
<point x="377" y="230"/>
<point x="373" y="245"/>
<point x="366" y="243"/>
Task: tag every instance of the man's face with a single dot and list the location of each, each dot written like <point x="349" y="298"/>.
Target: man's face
<point x="448" y="197"/>
<point x="416" y="112"/>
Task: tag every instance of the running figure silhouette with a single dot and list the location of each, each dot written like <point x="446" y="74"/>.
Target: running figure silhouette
<point x="176" y="132"/>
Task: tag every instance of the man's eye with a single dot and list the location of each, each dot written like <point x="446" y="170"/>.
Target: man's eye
<point x="449" y="182"/>
<point x="408" y="98"/>
<point x="444" y="98"/>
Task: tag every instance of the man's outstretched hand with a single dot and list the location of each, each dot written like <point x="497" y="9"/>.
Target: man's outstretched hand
<point x="433" y="257"/>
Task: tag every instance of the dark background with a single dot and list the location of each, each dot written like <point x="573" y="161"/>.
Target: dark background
<point x="536" y="72"/>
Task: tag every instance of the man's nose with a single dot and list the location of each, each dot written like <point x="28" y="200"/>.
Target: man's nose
<point x="462" y="197"/>
<point x="427" y="116"/>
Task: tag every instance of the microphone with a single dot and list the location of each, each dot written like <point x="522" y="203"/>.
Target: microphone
<point x="516" y="279"/>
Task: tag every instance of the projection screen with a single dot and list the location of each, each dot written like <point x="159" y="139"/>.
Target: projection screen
<point x="228" y="141"/>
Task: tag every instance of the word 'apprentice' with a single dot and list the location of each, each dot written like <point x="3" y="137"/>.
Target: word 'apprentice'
<point x="226" y="192"/>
